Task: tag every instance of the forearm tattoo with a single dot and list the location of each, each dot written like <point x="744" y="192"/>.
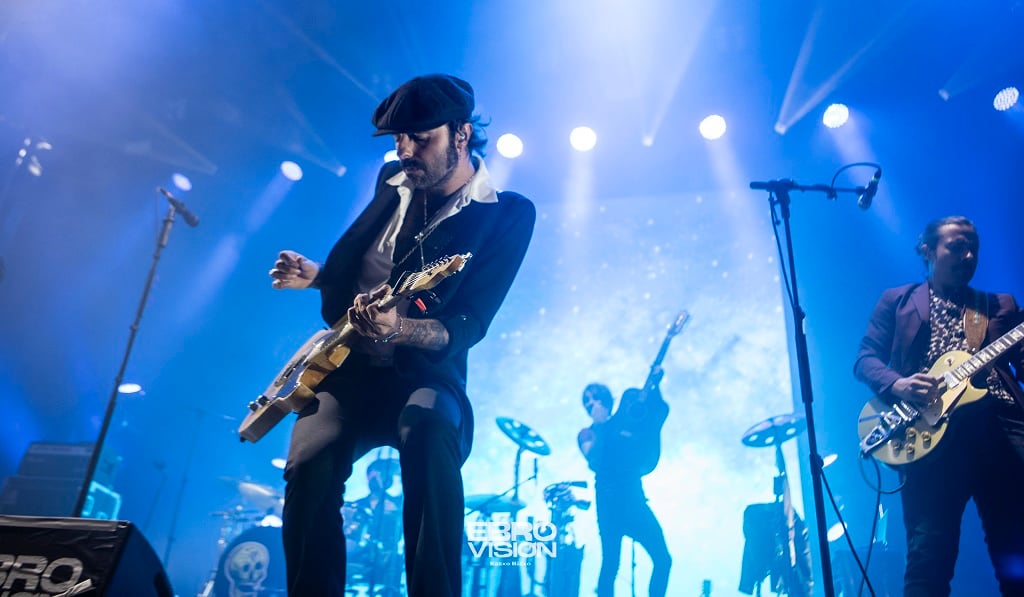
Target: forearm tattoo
<point x="428" y="334"/>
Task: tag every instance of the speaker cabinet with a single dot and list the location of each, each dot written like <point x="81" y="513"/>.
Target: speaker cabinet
<point x="50" y="556"/>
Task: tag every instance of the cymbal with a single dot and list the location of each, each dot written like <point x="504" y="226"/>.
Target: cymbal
<point x="774" y="430"/>
<point x="488" y="503"/>
<point x="257" y="494"/>
<point x="521" y="434"/>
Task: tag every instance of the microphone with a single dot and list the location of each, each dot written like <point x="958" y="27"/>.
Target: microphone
<point x="864" y="201"/>
<point x="190" y="218"/>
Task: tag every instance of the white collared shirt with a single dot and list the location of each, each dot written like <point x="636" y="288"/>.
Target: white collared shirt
<point x="379" y="258"/>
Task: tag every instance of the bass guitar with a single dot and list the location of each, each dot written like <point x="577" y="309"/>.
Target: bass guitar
<point x="295" y="386"/>
<point x="647" y="416"/>
<point x="902" y="433"/>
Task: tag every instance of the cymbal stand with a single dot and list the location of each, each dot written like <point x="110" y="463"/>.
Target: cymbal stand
<point x="482" y="507"/>
<point x="515" y="483"/>
<point x="510" y="583"/>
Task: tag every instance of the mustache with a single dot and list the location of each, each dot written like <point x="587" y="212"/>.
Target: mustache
<point x="412" y="163"/>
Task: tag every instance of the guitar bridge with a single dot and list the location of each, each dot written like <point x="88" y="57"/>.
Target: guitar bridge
<point x="889" y="424"/>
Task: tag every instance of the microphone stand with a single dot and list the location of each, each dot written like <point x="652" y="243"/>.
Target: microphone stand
<point x="94" y="459"/>
<point x="778" y="195"/>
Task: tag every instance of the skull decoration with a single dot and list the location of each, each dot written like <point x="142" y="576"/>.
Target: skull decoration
<point x="247" y="567"/>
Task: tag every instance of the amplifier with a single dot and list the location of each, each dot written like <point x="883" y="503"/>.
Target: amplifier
<point x="56" y="496"/>
<point x="45" y="459"/>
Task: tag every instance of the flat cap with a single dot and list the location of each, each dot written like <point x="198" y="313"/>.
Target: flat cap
<point x="424" y="103"/>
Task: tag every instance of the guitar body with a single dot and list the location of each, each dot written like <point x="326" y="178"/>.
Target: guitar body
<point x="643" y="415"/>
<point x="644" y="418"/>
<point x="912" y="433"/>
<point x="295" y="385"/>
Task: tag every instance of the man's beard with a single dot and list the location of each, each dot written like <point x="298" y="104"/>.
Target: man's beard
<point x="428" y="176"/>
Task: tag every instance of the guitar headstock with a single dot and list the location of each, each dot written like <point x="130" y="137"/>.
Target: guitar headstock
<point x="432" y="275"/>
<point x="680" y="322"/>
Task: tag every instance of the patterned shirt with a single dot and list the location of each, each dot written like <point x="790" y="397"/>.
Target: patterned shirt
<point x="946" y="319"/>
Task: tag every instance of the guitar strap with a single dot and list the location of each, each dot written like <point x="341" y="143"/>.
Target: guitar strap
<point x="976" y="320"/>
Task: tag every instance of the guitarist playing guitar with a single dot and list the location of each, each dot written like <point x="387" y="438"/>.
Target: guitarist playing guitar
<point x="621" y="448"/>
<point x="402" y="382"/>
<point x="914" y="356"/>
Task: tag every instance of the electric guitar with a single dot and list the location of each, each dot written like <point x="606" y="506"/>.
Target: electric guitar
<point x="295" y="386"/>
<point x="651" y="417"/>
<point x="902" y="433"/>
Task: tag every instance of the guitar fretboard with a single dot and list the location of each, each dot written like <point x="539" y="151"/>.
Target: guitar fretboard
<point x="986" y="355"/>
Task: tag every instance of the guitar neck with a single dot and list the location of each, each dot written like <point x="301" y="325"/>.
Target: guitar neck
<point x="673" y="331"/>
<point x="651" y="377"/>
<point x="989" y="354"/>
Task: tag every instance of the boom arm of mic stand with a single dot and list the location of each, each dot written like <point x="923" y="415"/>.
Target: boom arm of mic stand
<point x="783" y="186"/>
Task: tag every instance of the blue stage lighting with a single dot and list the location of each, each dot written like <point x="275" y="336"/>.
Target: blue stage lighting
<point x="835" y="116"/>
<point x="583" y="138"/>
<point x="510" y="146"/>
<point x="712" y="127"/>
<point x="1006" y="99"/>
<point x="291" y="170"/>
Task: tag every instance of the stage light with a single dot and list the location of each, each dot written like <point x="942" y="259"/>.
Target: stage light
<point x="129" y="388"/>
<point x="1006" y="99"/>
<point x="712" y="127"/>
<point x="30" y="153"/>
<point x="291" y="170"/>
<point x="835" y="116"/>
<point x="391" y="155"/>
<point x="182" y="182"/>
<point x="34" y="167"/>
<point x="278" y="463"/>
<point x="583" y="138"/>
<point x="510" y="146"/>
<point x="835" y="531"/>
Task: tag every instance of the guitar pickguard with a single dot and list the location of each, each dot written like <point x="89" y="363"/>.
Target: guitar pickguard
<point x="902" y="433"/>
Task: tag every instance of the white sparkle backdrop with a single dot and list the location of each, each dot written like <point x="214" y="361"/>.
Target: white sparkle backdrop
<point x="592" y="303"/>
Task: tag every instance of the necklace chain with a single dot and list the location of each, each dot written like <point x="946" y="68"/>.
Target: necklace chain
<point x="426" y="230"/>
<point x="419" y="238"/>
<point x="423" y="261"/>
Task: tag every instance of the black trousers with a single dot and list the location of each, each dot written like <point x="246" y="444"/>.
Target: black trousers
<point x="976" y="460"/>
<point x="628" y="515"/>
<point x="358" y="408"/>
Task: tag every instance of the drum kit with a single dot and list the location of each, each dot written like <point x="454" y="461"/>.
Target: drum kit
<point x="487" y="569"/>
<point x="776" y="537"/>
<point x="251" y="556"/>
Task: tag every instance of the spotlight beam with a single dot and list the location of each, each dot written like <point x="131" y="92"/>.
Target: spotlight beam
<point x="788" y="115"/>
<point x="317" y="50"/>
